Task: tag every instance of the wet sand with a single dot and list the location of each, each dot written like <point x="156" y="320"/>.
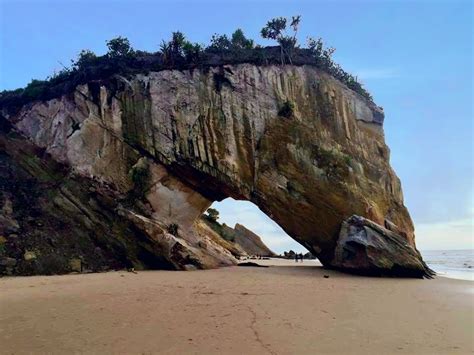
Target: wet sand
<point x="285" y="309"/>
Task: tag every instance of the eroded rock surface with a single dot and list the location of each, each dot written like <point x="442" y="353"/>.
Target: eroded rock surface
<point x="53" y="221"/>
<point x="250" y="242"/>
<point x="367" y="248"/>
<point x="175" y="141"/>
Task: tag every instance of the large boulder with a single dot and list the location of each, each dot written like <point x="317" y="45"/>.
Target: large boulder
<point x="365" y="247"/>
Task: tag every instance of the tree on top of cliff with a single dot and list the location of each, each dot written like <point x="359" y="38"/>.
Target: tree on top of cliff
<point x="84" y="59"/>
<point x="276" y="30"/>
<point x="180" y="53"/>
<point x="212" y="214"/>
<point x="223" y="43"/>
<point x="239" y="40"/>
<point x="119" y="47"/>
<point x="179" y="50"/>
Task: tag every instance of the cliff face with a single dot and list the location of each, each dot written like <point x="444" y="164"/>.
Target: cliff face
<point x="304" y="148"/>
<point x="239" y="241"/>
<point x="251" y="242"/>
<point x="53" y="221"/>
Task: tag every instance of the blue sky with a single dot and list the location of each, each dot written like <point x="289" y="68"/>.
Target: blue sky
<point x="415" y="57"/>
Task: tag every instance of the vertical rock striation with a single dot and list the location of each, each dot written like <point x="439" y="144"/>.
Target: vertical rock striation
<point x="308" y="151"/>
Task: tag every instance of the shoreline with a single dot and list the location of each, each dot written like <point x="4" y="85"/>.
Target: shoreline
<point x="455" y="275"/>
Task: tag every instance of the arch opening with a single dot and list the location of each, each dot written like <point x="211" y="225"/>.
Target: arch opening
<point x="237" y="213"/>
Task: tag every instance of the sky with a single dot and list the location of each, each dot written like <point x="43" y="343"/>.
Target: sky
<point x="415" y="57"/>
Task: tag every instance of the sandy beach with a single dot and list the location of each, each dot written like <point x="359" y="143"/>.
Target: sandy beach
<point x="287" y="308"/>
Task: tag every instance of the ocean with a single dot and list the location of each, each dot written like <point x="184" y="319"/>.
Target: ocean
<point x="455" y="264"/>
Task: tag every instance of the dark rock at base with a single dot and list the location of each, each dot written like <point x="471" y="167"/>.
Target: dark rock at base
<point x="365" y="247"/>
<point x="251" y="264"/>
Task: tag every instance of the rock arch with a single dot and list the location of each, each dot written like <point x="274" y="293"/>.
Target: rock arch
<point x="308" y="151"/>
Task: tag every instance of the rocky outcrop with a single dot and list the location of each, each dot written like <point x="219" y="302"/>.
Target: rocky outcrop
<point x="239" y="241"/>
<point x="308" y="151"/>
<point x="247" y="240"/>
<point x="215" y="232"/>
<point x="367" y="248"/>
<point x="53" y="221"/>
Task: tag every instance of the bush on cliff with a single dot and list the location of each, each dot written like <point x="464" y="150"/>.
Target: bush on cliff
<point x="140" y="176"/>
<point x="179" y="53"/>
<point x="287" y="109"/>
<point x="237" y="42"/>
<point x="119" y="47"/>
<point x="276" y="30"/>
<point x="212" y="214"/>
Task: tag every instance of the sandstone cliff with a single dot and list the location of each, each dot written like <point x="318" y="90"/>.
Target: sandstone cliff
<point x="248" y="241"/>
<point x="239" y="240"/>
<point x="304" y="148"/>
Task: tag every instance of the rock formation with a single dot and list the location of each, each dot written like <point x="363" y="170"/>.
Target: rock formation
<point x="365" y="247"/>
<point x="308" y="151"/>
<point x="53" y="221"/>
<point x="248" y="241"/>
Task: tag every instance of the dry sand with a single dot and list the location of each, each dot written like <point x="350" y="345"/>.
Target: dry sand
<point x="276" y="310"/>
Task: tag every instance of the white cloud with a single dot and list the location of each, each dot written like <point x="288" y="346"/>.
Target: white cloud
<point x="457" y="234"/>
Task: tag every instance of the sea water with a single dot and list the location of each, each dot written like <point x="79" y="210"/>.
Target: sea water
<point x="456" y="264"/>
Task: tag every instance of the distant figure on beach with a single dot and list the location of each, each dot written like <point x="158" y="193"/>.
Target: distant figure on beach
<point x="296" y="257"/>
<point x="301" y="257"/>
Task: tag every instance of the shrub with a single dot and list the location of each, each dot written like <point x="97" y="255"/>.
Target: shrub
<point x="287" y="109"/>
<point x="212" y="214"/>
<point x="323" y="59"/>
<point x="119" y="47"/>
<point x="239" y="41"/>
<point x="219" y="43"/>
<point x="192" y="52"/>
<point x="180" y="53"/>
<point x="85" y="59"/>
<point x="35" y="89"/>
<point x="140" y="176"/>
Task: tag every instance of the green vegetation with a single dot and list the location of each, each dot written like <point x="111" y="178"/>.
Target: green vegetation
<point x="119" y="47"/>
<point x="221" y="229"/>
<point x="180" y="53"/>
<point x="212" y="214"/>
<point x="140" y="176"/>
<point x="237" y="42"/>
<point x="35" y="88"/>
<point x="323" y="59"/>
<point x="287" y="109"/>
<point x="332" y="161"/>
<point x="84" y="59"/>
<point x="276" y="30"/>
